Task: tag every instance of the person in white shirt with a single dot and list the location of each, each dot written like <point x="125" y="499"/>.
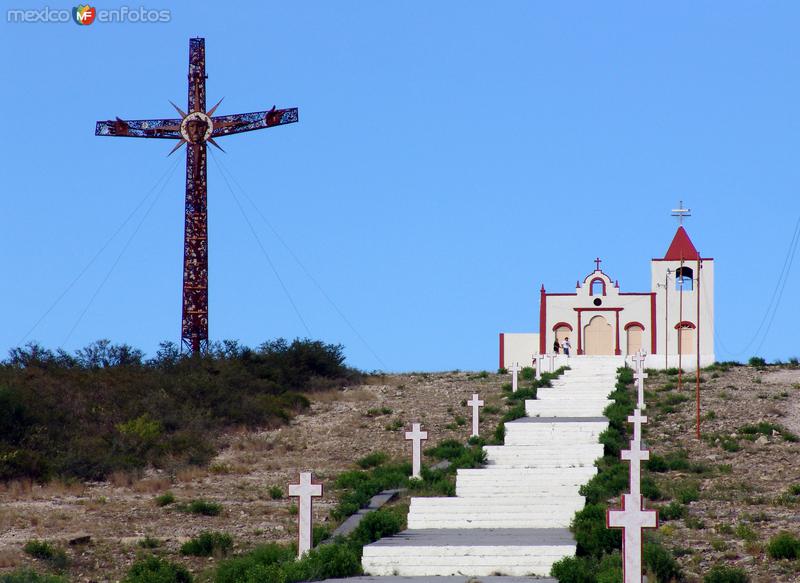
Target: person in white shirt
<point x="565" y="346"/>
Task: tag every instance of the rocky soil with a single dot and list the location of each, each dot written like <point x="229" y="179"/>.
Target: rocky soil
<point x="743" y="479"/>
<point x="340" y="428"/>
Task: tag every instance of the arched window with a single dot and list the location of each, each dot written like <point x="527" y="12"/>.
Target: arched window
<point x="684" y="279"/>
<point x="597" y="287"/>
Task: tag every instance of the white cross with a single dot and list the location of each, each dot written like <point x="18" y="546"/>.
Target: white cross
<point x="417" y="437"/>
<point x="638" y="359"/>
<point x="632" y="518"/>
<point x="552" y="358"/>
<point x="539" y="360"/>
<point x="305" y="490"/>
<point x="475" y="403"/>
<point x="514" y="370"/>
<point x="637" y="419"/>
<point x="640" y="376"/>
<point x="635" y="455"/>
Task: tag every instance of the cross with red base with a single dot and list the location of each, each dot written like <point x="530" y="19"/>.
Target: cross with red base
<point x="195" y="127"/>
<point x="597" y="262"/>
<point x="632" y="518"/>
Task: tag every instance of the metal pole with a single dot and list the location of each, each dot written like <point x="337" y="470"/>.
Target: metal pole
<point x="697" y="372"/>
<point x="666" y="320"/>
<point x="680" y="330"/>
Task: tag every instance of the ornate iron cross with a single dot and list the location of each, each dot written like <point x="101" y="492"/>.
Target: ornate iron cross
<point x="194" y="128"/>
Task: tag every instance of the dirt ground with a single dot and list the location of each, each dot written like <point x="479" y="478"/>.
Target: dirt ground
<point x="340" y="428"/>
<point x="744" y="498"/>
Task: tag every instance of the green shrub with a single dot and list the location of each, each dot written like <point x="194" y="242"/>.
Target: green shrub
<point x="241" y="568"/>
<point x="149" y="542"/>
<point x="574" y="570"/>
<point x="757" y="362"/>
<point x="275" y="492"/>
<point x="106" y="426"/>
<point x="724" y="574"/>
<point x="591" y="535"/>
<point x="372" y="460"/>
<point x="165" y="499"/>
<point x="745" y="532"/>
<point x="378" y="524"/>
<point x="672" y="511"/>
<point x="203" y="507"/>
<point x="687" y="493"/>
<point x="784" y="546"/>
<point x="30" y="576"/>
<point x="157" y="570"/>
<point x="661" y="563"/>
<point x="528" y="373"/>
<point x="54" y="556"/>
<point x="208" y="544"/>
<point x="612" y="442"/>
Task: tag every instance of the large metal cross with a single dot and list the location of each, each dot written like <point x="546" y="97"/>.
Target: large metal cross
<point x="195" y="127"/>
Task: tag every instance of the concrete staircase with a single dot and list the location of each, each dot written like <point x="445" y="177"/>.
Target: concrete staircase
<point x="512" y="516"/>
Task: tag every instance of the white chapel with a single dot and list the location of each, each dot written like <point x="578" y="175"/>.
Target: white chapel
<point x="671" y="323"/>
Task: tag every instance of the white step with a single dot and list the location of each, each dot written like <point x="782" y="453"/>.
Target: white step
<point x="558" y="456"/>
<point x="475" y="552"/>
<point x="547" y="431"/>
<point x="577" y="408"/>
<point x="466" y="513"/>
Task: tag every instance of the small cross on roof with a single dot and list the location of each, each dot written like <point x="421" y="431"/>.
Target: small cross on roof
<point x="681" y="213"/>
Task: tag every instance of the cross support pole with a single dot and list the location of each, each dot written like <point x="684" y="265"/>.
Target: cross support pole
<point x="552" y="359"/>
<point x="305" y="491"/>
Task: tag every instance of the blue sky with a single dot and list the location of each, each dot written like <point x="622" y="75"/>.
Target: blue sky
<point x="450" y="158"/>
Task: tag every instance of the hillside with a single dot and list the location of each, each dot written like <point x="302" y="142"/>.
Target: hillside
<point x="341" y="426"/>
<point x="722" y="498"/>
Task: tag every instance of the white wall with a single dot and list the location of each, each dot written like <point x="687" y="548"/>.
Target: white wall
<point x="519" y="348"/>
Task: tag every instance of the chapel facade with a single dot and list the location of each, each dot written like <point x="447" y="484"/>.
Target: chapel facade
<point x="602" y="320"/>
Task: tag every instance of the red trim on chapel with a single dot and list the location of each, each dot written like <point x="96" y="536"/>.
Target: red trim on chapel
<point x="591" y="285"/>
<point x="562" y="325"/>
<point x="502" y="350"/>
<point x="542" y="322"/>
<point x="685" y="324"/>
<point x="632" y="324"/>
<point x="653" y="336"/>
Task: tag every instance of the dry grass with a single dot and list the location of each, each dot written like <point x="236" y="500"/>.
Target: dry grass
<point x="152" y="485"/>
<point x="8" y="559"/>
<point x="190" y="474"/>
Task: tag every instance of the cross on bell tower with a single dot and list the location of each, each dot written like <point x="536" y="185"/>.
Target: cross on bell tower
<point x="597" y="263"/>
<point x="681" y="213"/>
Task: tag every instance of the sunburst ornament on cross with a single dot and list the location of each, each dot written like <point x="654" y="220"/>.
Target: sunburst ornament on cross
<point x="195" y="128"/>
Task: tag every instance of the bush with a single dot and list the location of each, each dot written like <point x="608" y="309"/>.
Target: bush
<point x="203" y="507"/>
<point x="574" y="570"/>
<point x="208" y="544"/>
<point x="672" y="511"/>
<point x="165" y="499"/>
<point x="688" y="493"/>
<point x="275" y="492"/>
<point x="378" y="524"/>
<point x="723" y="574"/>
<point x="30" y="576"/>
<point x="757" y="362"/>
<point x="149" y="542"/>
<point x="106" y="426"/>
<point x="661" y="563"/>
<point x="157" y="570"/>
<point x="784" y="546"/>
<point x="591" y="535"/>
<point x="252" y="565"/>
<point x="54" y="556"/>
<point x="372" y="460"/>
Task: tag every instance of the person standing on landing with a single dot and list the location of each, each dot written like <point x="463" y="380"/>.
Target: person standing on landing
<point x="556" y="346"/>
<point x="566" y="346"/>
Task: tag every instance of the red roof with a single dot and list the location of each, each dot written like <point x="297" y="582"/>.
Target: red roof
<point x="681" y="247"/>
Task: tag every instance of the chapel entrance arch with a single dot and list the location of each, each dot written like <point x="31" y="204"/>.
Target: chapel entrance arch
<point x="634" y="333"/>
<point x="598" y="337"/>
